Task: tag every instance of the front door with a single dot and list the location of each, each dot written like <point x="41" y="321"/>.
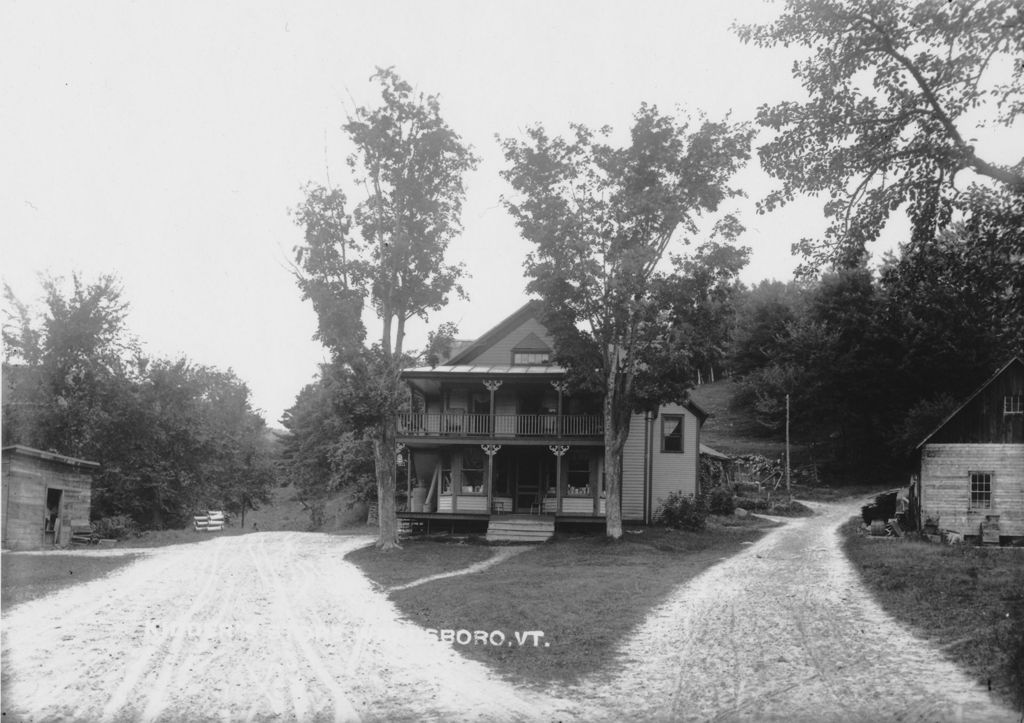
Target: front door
<point x="535" y="475"/>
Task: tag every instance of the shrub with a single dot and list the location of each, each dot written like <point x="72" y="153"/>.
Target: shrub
<point x="683" y="512"/>
<point x="721" y="501"/>
<point x="117" y="527"/>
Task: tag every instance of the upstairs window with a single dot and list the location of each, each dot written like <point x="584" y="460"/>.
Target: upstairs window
<point x="981" y="490"/>
<point x="671" y="433"/>
<point x="1013" y="404"/>
<point x="527" y="358"/>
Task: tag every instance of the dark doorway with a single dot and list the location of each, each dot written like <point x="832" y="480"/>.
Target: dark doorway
<point x="51" y="521"/>
<point x="535" y="476"/>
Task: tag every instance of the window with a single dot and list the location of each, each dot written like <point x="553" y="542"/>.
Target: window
<point x="472" y="471"/>
<point x="1013" y="404"/>
<point x="981" y="490"/>
<point x="579" y="473"/>
<point x="525" y="358"/>
<point x="671" y="433"/>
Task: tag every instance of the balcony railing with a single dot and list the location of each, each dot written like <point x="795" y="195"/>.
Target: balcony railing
<point x="458" y="424"/>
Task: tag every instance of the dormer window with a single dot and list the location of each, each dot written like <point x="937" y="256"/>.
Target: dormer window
<point x="527" y="358"/>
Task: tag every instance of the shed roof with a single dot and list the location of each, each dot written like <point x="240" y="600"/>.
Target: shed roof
<point x="979" y="390"/>
<point x="712" y="452"/>
<point x="49" y="456"/>
<point x="536" y="370"/>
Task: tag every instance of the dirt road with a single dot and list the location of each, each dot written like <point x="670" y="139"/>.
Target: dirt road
<point x="277" y="626"/>
<point x="785" y="631"/>
<point x="269" y="626"/>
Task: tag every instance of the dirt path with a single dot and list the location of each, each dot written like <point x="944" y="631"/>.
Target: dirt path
<point x="784" y="631"/>
<point x="277" y="626"/>
<point x="256" y="627"/>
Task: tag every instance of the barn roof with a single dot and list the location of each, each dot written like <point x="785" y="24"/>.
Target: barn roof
<point x="49" y="456"/>
<point x="979" y="390"/>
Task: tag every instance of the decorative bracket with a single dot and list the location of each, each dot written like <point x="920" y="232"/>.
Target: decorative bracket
<point x="558" y="449"/>
<point x="492" y="385"/>
<point x="490" y="449"/>
<point x="560" y="386"/>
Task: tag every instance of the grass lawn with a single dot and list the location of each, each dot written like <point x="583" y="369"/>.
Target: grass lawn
<point x="27" y="577"/>
<point x="583" y="592"/>
<point x="968" y="600"/>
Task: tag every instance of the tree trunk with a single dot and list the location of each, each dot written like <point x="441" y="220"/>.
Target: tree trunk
<point x="614" y="440"/>
<point x="384" y="451"/>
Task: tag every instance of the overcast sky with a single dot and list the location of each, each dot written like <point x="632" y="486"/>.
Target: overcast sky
<point x="166" y="143"/>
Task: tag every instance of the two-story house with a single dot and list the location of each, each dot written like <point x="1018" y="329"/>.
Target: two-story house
<point x="494" y="431"/>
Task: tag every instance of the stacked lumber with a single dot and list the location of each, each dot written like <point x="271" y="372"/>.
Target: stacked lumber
<point x="212" y="521"/>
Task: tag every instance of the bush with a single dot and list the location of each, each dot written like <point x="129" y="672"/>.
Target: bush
<point x="117" y="527"/>
<point x="683" y="512"/>
<point x="721" y="501"/>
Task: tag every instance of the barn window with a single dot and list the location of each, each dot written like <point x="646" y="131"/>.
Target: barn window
<point x="981" y="490"/>
<point x="671" y="433"/>
<point x="1013" y="404"/>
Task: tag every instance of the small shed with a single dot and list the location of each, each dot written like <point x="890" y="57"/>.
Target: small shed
<point x="971" y="474"/>
<point x="45" y="496"/>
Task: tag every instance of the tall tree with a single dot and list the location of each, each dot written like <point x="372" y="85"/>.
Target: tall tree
<point x="601" y="219"/>
<point x="897" y="91"/>
<point x="410" y="164"/>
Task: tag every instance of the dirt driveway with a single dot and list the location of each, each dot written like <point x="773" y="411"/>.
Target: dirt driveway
<point x="268" y="626"/>
<point x="277" y="626"/>
<point x="785" y="631"/>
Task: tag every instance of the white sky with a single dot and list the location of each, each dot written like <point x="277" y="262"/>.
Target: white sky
<point x="166" y="143"/>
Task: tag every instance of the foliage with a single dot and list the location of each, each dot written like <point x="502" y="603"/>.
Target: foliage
<point x="721" y="501"/>
<point x="895" y="89"/>
<point x="601" y="219"/>
<point x="683" y="512"/>
<point x="411" y="164"/>
<point x="171" y="436"/>
<point x="322" y="452"/>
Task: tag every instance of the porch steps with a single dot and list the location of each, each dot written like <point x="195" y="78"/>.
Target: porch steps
<point x="520" y="528"/>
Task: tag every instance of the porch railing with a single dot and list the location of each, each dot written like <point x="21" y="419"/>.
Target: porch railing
<point x="458" y="424"/>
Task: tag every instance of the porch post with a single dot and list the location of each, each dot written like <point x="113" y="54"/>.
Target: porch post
<point x="490" y="450"/>
<point x="408" y="477"/>
<point x="560" y="387"/>
<point x="558" y="450"/>
<point x="492" y="386"/>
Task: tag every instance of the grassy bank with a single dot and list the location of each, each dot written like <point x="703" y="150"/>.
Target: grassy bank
<point x="967" y="600"/>
<point x="584" y="593"/>
<point x="27" y="577"/>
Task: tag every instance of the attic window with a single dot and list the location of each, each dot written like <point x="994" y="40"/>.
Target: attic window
<point x="526" y="358"/>
<point x="1013" y="404"/>
<point x="981" y="490"/>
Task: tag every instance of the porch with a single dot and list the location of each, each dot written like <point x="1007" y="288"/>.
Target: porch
<point x="462" y="424"/>
<point x="491" y="480"/>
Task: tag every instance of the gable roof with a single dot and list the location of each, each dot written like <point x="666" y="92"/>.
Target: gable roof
<point x="48" y="456"/>
<point x="527" y="311"/>
<point x="531" y="342"/>
<point x="979" y="390"/>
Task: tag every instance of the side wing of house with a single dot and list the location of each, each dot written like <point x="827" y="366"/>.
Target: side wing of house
<point x="972" y="465"/>
<point x="662" y="456"/>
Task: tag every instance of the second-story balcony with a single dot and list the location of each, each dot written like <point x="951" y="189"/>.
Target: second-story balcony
<point x="459" y="424"/>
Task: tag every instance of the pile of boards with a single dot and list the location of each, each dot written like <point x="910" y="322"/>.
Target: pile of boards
<point x="212" y="521"/>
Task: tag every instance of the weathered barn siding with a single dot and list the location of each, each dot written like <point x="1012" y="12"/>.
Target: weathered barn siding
<point x="674" y="471"/>
<point x="27" y="474"/>
<point x="982" y="419"/>
<point x="501" y="351"/>
<point x="946" y="486"/>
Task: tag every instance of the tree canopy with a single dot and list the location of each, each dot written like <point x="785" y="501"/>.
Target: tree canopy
<point x="897" y="92"/>
<point x="387" y="254"/>
<point x="172" y="437"/>
<point x="601" y="219"/>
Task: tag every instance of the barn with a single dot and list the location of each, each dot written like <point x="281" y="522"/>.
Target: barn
<point x="971" y="474"/>
<point x="45" y="497"/>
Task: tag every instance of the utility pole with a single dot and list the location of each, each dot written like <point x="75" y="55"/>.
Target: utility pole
<point x="789" y="492"/>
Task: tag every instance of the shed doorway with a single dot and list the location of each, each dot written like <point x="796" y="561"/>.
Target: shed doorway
<point x="51" y="521"/>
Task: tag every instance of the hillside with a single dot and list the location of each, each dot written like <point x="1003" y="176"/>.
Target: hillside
<point x="734" y="431"/>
